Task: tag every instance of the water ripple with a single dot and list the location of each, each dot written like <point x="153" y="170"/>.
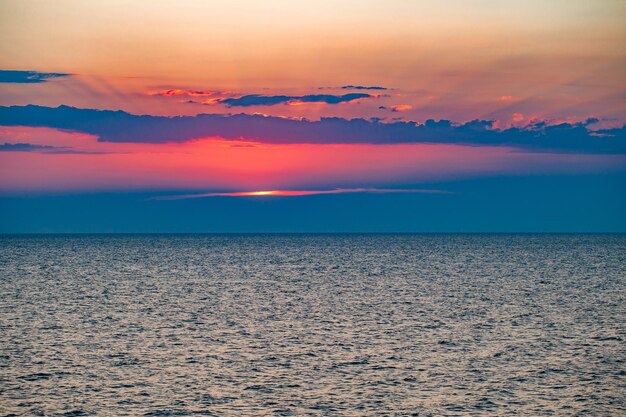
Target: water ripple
<point x="312" y="325"/>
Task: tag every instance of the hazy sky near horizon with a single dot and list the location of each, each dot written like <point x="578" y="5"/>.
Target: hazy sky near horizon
<point x="310" y="96"/>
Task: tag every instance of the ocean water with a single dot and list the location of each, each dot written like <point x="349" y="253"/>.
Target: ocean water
<point x="328" y="325"/>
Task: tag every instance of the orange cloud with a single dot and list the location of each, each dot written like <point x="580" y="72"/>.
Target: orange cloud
<point x="208" y="101"/>
<point x="401" y="107"/>
<point x="180" y="92"/>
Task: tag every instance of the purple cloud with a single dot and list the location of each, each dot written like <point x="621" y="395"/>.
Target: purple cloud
<point x="119" y="126"/>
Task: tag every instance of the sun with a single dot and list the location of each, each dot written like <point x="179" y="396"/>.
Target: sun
<point x="259" y="193"/>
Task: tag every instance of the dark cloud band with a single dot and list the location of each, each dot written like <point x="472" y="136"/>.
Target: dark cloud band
<point x="260" y="100"/>
<point x="29" y="147"/>
<point x="363" y="87"/>
<point x="28" y="77"/>
<point x="26" y="147"/>
<point x="119" y="126"/>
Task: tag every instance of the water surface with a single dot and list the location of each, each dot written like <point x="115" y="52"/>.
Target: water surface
<point x="312" y="325"/>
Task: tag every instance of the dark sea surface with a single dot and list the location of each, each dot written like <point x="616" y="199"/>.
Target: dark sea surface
<point x="331" y="325"/>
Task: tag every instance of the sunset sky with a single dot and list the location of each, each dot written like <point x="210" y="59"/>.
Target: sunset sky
<point x="288" y="116"/>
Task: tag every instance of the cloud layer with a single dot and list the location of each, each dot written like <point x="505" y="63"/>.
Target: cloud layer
<point x="30" y="147"/>
<point x="261" y="100"/>
<point x="120" y="126"/>
<point x="27" y="77"/>
<point x="27" y="147"/>
<point x="363" y="87"/>
<point x="173" y="92"/>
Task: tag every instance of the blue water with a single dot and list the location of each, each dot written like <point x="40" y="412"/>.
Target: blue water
<point x="313" y="325"/>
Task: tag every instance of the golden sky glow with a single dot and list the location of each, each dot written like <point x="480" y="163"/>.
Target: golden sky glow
<point x="450" y="59"/>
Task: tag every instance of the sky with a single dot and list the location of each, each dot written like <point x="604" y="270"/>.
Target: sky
<point x="312" y="116"/>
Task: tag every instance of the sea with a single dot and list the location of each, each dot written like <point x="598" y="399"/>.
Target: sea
<point x="313" y="325"/>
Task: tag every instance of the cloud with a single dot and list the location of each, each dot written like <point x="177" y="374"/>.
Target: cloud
<point x="26" y="147"/>
<point x="261" y="100"/>
<point x="206" y="101"/>
<point x="119" y="126"/>
<point x="363" y="87"/>
<point x="28" y="77"/>
<point x="517" y="117"/>
<point x="397" y="108"/>
<point x="173" y="92"/>
<point x="300" y="193"/>
<point x="29" y="147"/>
<point x="401" y="107"/>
